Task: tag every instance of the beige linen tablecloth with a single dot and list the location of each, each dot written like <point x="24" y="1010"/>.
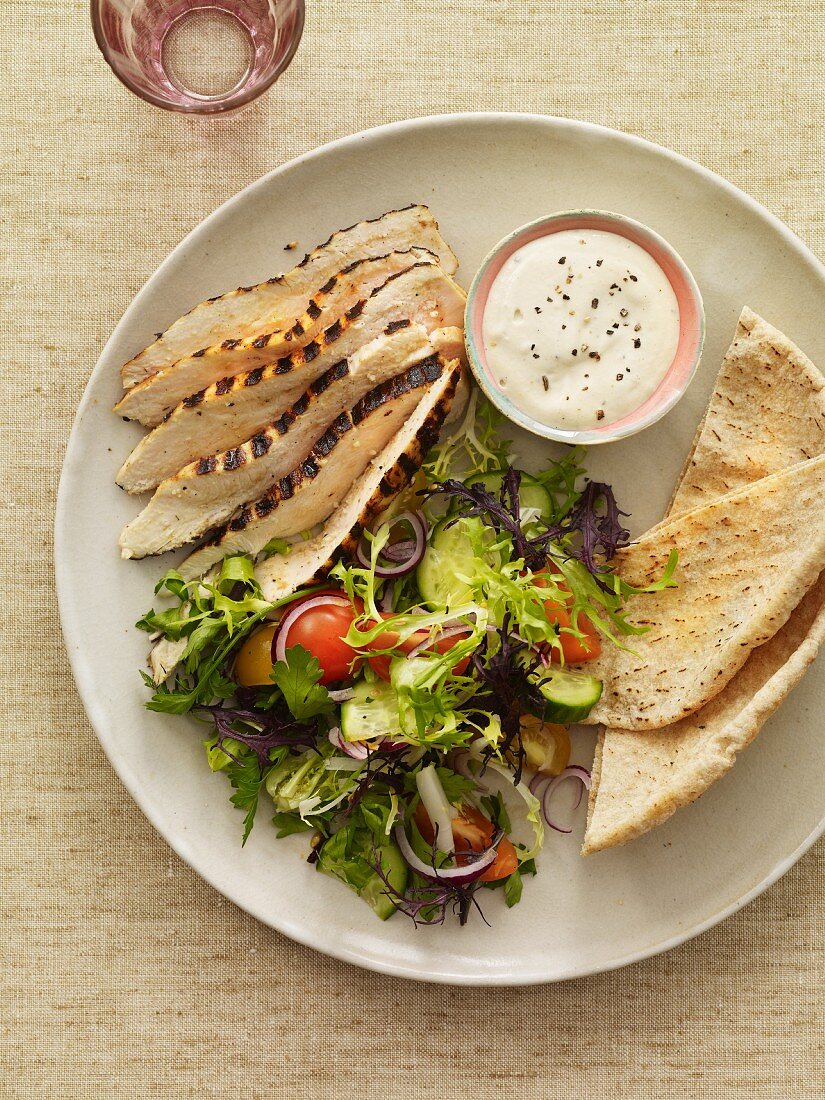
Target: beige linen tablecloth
<point x="122" y="973"/>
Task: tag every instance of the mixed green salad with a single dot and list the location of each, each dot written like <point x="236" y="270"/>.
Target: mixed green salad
<point x="410" y="714"/>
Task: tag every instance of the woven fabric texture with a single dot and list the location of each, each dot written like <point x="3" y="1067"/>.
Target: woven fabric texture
<point x="122" y="973"/>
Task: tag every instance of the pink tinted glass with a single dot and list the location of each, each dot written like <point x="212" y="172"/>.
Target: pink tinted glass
<point x="198" y="56"/>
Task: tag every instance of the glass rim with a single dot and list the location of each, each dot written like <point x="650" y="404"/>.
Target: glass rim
<point x="212" y="105"/>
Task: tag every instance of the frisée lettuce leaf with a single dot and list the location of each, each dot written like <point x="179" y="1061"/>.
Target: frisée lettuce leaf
<point x="475" y="447"/>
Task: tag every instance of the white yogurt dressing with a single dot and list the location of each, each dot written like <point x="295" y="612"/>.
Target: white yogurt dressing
<point x="580" y="327"/>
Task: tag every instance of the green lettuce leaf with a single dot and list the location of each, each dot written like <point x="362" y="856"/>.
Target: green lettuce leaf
<point x="247" y="777"/>
<point x="304" y="785"/>
<point x="476" y="447"/>
<point x="352" y="853"/>
<point x="297" y="678"/>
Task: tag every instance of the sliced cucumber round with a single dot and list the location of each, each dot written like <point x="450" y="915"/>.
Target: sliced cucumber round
<point x="532" y="495"/>
<point x="371" y="713"/>
<point x="569" y="694"/>
<point x="449" y="557"/>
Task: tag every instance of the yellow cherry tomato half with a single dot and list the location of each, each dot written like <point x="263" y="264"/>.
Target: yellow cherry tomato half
<point x="254" y="661"/>
<point x="546" y="745"/>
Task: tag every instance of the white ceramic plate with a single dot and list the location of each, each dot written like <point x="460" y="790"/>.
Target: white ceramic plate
<point x="483" y="175"/>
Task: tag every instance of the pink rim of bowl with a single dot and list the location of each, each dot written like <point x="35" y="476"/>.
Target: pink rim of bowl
<point x="691" y="323"/>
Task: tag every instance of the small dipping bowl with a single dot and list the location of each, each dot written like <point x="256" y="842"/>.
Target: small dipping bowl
<point x="691" y="324"/>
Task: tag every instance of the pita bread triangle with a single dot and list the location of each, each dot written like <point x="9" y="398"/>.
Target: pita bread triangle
<point x="767" y="413"/>
<point x="739" y="577"/>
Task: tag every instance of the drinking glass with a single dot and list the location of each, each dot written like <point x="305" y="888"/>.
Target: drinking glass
<point x="198" y="56"/>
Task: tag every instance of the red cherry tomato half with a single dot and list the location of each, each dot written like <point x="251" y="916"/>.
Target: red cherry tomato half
<point x="472" y="832"/>
<point x="321" y="631"/>
<point x="575" y="650"/>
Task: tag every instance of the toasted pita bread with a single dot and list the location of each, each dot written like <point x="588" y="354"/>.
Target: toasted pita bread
<point x="767" y="412"/>
<point x="739" y="578"/>
<point x="641" y="779"/>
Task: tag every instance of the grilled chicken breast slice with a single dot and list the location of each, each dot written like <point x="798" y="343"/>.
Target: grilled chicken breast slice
<point x="207" y="492"/>
<point x="315" y="488"/>
<point x="385" y="477"/>
<point x="190" y="434"/>
<point x="422" y="293"/>
<point x="247" y="351"/>
<point x="257" y="309"/>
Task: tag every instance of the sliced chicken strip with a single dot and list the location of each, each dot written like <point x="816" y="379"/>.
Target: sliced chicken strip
<point x="206" y="493"/>
<point x="312" y="491"/>
<point x="164" y="657"/>
<point x="257" y="309"/>
<point x="173" y="446"/>
<point x="384" y="478"/>
<point x="422" y="293"/>
<point x="247" y="351"/>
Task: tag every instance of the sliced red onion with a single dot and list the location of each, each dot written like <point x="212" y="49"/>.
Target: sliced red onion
<point x="583" y="774"/>
<point x="404" y="555"/>
<point x="431" y="642"/>
<point x="574" y="771"/>
<point x="356" y="749"/>
<point x="536" y="782"/>
<point x="385" y="603"/>
<point x="460" y="764"/>
<point x="360" y="750"/>
<point x="342" y="695"/>
<point x="416" y="520"/>
<point x="477" y="863"/>
<point x="361" y="555"/>
<point x="397" y="553"/>
<point x="460" y="758"/>
<point x="279" y="646"/>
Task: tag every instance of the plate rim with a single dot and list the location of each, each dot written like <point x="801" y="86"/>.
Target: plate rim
<point x="88" y="696"/>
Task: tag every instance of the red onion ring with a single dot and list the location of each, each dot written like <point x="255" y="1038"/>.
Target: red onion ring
<point x="360" y="750"/>
<point x="430" y="642"/>
<point x="459" y="875"/>
<point x="403" y="555"/>
<point x="536" y="782"/>
<point x="573" y="771"/>
<point x="458" y="762"/>
<point x="356" y="749"/>
<point x="385" y="603"/>
<point x="279" y="646"/>
<point x="397" y="553"/>
<point x="343" y="695"/>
